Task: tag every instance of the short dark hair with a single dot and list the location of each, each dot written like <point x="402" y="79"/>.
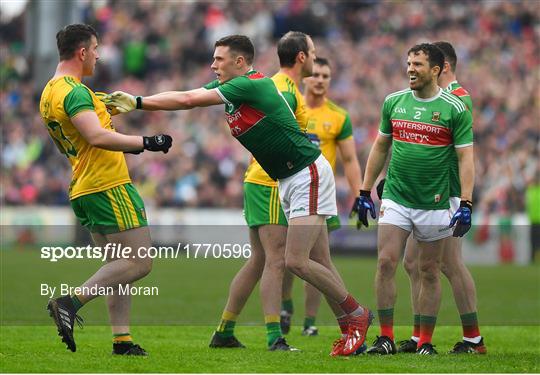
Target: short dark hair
<point x="434" y="54"/>
<point x="239" y="45"/>
<point x="289" y="46"/>
<point x="71" y="37"/>
<point x="322" y="61"/>
<point x="449" y="53"/>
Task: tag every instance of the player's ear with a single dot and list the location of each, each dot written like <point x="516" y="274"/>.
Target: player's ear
<point x="301" y="57"/>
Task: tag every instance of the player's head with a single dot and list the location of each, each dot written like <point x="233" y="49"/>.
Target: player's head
<point x="450" y="57"/>
<point x="424" y="65"/>
<point x="296" y="47"/>
<point x="319" y="82"/>
<point x="233" y="56"/>
<point x="79" y="42"/>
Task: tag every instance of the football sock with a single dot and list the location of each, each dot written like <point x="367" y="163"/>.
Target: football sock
<point x="226" y="326"/>
<point x="287" y="305"/>
<point x="122" y="338"/>
<point x="309" y="321"/>
<point x="416" y="327"/>
<point x="386" y="321"/>
<point x="351" y="307"/>
<point x="343" y="322"/>
<point x="427" y="326"/>
<point x="77" y="304"/>
<point x="273" y="328"/>
<point x="471" y="330"/>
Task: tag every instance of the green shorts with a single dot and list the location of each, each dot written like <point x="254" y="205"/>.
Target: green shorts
<point x="262" y="206"/>
<point x="111" y="211"/>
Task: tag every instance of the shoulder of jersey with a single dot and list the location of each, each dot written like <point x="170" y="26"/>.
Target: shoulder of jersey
<point x="460" y="91"/>
<point x="454" y="101"/>
<point x="397" y="94"/>
<point x="336" y="108"/>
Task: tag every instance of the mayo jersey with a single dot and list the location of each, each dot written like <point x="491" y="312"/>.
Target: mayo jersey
<point x="94" y="169"/>
<point x="327" y="125"/>
<point x="255" y="174"/>
<point x="424" y="134"/>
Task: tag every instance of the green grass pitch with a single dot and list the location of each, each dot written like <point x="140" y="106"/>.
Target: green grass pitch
<point x="175" y="326"/>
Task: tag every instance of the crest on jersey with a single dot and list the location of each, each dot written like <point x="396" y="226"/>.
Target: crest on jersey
<point x="327" y="126"/>
<point x="436" y="116"/>
<point x="143" y="212"/>
<point x="437" y="198"/>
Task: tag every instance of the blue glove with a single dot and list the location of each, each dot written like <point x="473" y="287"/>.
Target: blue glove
<point x="362" y="204"/>
<point x="462" y="219"/>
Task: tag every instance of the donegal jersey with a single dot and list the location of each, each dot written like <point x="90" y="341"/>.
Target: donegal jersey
<point x="94" y="169"/>
<point x="424" y="133"/>
<point x="455" y="185"/>
<point x="255" y="174"/>
<point x="260" y="118"/>
<point x="327" y="125"/>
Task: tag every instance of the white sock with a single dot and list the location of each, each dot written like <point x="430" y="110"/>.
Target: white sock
<point x="474" y="340"/>
<point x="415" y="339"/>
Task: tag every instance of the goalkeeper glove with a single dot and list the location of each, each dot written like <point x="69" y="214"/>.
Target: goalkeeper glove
<point x="362" y="204"/>
<point x="462" y="219"/>
<point x="122" y="101"/>
<point x="111" y="109"/>
<point x="155" y="143"/>
<point x="380" y="188"/>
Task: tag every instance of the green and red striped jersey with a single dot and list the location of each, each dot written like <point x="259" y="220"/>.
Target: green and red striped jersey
<point x="260" y="118"/>
<point x="424" y="134"/>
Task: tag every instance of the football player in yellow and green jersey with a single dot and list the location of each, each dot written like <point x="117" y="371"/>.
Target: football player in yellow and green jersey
<point x="329" y="127"/>
<point x="101" y="193"/>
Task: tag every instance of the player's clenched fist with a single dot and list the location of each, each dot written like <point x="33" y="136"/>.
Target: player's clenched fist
<point x="362" y="204"/>
<point x="155" y="143"/>
<point x="462" y="219"/>
<point x="121" y="101"/>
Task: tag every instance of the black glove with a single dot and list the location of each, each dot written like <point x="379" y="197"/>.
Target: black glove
<point x="380" y="188"/>
<point x="160" y="142"/>
<point x="362" y="204"/>
<point x="462" y="219"/>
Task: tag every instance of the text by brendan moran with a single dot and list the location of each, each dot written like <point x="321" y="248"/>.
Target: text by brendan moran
<point x="121" y="290"/>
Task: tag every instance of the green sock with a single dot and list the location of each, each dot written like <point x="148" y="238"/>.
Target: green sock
<point x="76" y="302"/>
<point x="226" y="326"/>
<point x="309" y="321"/>
<point x="287" y="305"/>
<point x="273" y="332"/>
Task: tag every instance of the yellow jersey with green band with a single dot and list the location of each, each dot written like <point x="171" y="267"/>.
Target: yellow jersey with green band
<point x="255" y="174"/>
<point x="327" y="125"/>
<point x="94" y="169"/>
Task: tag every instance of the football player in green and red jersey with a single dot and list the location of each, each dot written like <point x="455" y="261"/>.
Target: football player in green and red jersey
<point x="424" y="125"/>
<point x="260" y="118"/>
<point x="452" y="265"/>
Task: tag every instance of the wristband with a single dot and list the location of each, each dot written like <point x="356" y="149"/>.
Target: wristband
<point x="138" y="99"/>
<point x="365" y="193"/>
<point x="466" y="203"/>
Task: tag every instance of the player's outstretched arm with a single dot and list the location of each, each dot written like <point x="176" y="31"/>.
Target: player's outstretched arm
<point x="165" y="101"/>
<point x="87" y="123"/>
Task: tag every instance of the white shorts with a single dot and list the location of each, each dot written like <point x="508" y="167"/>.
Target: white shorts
<point x="454" y="204"/>
<point x="426" y="225"/>
<point x="311" y="191"/>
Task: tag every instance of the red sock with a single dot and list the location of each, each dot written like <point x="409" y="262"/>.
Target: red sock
<point x="427" y="326"/>
<point x="416" y="327"/>
<point x="470" y="325"/>
<point x="386" y="321"/>
<point x="349" y="305"/>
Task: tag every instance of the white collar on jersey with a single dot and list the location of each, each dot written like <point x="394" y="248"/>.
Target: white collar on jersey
<point x="428" y="99"/>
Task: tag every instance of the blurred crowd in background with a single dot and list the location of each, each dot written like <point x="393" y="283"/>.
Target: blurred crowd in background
<point x="153" y="46"/>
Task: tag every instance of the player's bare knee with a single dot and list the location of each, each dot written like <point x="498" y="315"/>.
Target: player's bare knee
<point x="296" y="266"/>
<point x="275" y="263"/>
<point x="411" y="266"/>
<point x="386" y="266"/>
<point x="429" y="271"/>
